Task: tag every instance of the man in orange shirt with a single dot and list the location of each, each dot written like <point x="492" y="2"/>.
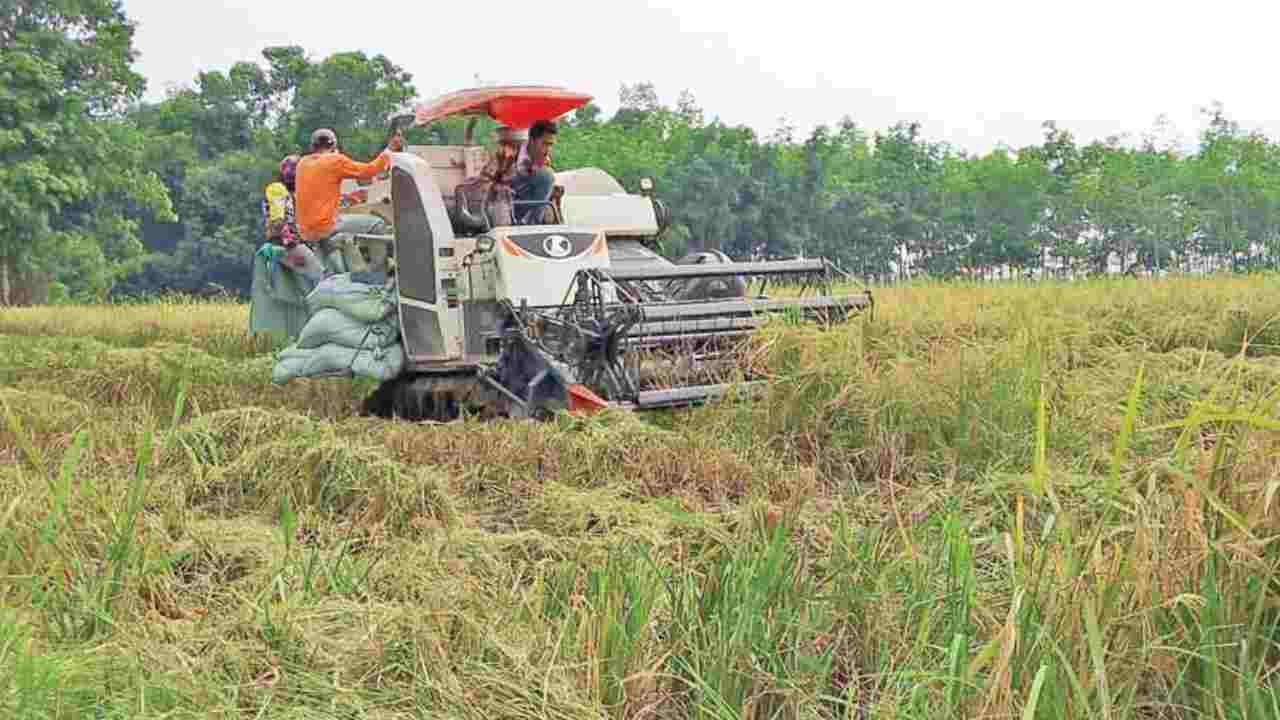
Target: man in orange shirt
<point x="319" y="187"/>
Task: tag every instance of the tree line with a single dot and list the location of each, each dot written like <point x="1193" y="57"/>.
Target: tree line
<point x="104" y="194"/>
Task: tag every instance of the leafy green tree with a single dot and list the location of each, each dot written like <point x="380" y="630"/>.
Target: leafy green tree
<point x="353" y="94"/>
<point x="220" y="228"/>
<point x="72" y="174"/>
<point x="1233" y="184"/>
<point x="878" y="203"/>
<point x="1062" y="221"/>
<point x="908" y="170"/>
<point x="217" y="143"/>
<point x="586" y="116"/>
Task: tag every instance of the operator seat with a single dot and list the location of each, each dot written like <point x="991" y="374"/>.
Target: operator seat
<point x="480" y="205"/>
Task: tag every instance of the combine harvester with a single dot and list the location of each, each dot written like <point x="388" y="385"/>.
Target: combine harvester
<point x="578" y="314"/>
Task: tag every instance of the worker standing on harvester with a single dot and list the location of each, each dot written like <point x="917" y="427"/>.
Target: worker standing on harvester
<point x="319" y="190"/>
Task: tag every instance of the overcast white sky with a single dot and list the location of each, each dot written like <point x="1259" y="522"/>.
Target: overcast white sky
<point x="976" y="73"/>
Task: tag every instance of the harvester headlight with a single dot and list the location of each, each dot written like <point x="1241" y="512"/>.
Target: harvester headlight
<point x="484" y="243"/>
<point x="646" y="184"/>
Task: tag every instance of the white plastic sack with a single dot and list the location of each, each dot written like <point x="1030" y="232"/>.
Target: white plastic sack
<point x="362" y="301"/>
<point x="331" y="327"/>
<point x="378" y="363"/>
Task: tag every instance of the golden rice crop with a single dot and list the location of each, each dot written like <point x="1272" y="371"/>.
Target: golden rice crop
<point x="1042" y="501"/>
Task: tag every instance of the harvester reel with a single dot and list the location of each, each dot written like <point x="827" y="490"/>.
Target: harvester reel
<point x="600" y="361"/>
<point x="589" y="340"/>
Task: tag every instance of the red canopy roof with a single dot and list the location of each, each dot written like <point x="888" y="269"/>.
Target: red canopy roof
<point x="516" y="106"/>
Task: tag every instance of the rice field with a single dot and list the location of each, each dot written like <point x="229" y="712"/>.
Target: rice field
<point x="995" y="501"/>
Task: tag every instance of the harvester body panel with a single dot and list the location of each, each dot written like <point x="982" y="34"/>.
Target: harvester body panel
<point x="430" y="319"/>
<point x="537" y="264"/>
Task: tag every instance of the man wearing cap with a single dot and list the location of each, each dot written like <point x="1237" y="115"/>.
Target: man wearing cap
<point x="319" y="188"/>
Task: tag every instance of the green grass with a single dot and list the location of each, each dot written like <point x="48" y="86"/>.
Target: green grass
<point x="1024" y="501"/>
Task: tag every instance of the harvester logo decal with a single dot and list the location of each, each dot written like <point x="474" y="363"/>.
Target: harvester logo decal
<point x="557" y="246"/>
<point x="550" y="246"/>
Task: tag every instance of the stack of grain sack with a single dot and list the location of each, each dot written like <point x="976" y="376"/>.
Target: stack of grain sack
<point x="353" y="330"/>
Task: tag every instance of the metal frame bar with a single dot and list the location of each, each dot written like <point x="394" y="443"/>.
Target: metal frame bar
<point x="708" y="270"/>
<point x="680" y="397"/>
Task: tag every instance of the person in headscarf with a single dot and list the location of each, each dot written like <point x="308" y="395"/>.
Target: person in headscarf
<point x="279" y="214"/>
<point x="285" y="268"/>
<point x="490" y="191"/>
